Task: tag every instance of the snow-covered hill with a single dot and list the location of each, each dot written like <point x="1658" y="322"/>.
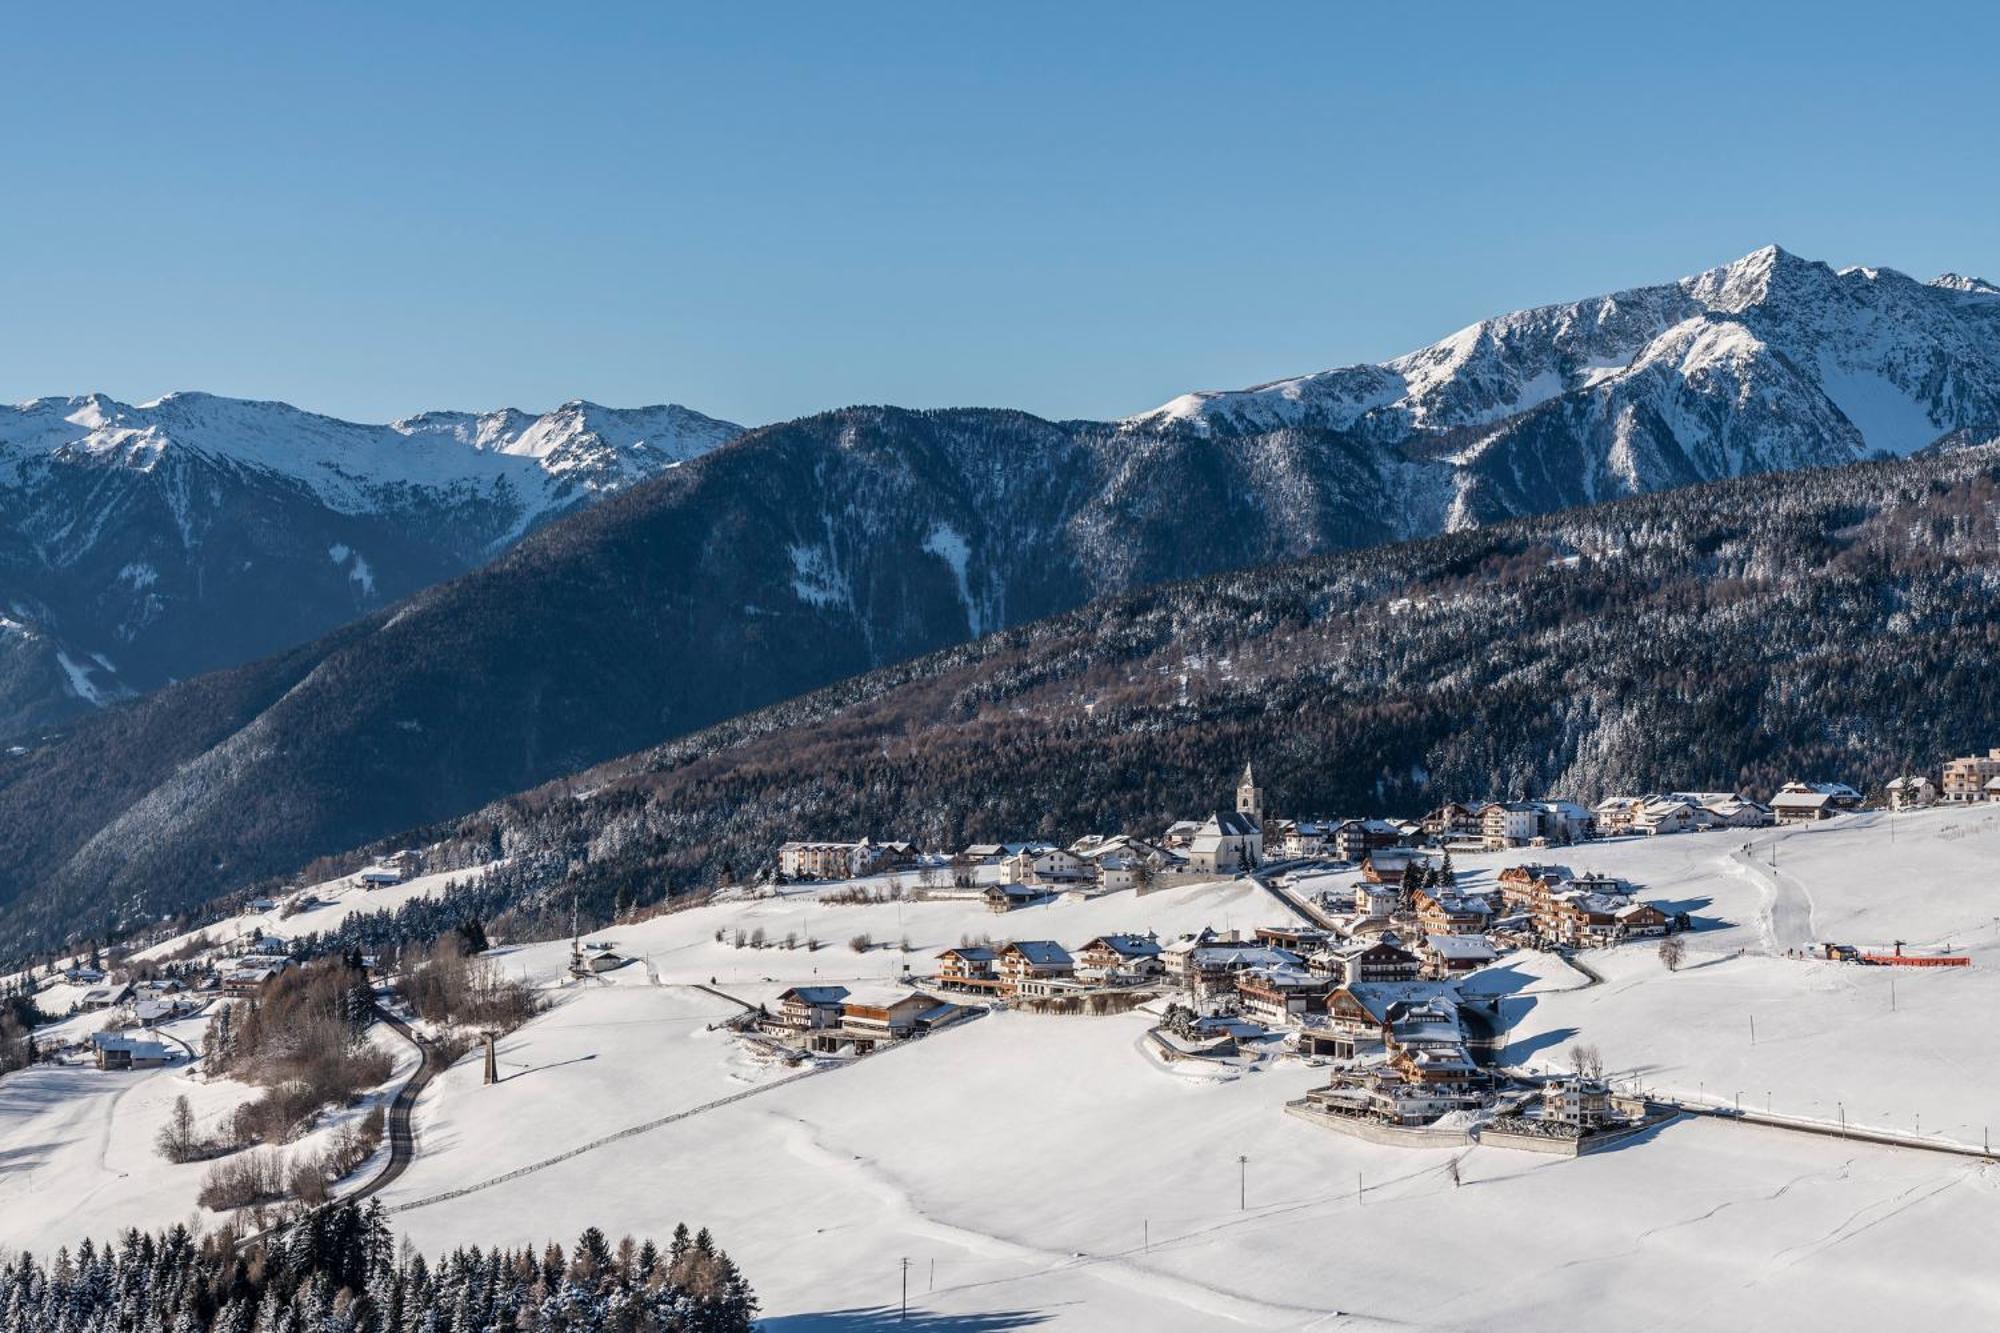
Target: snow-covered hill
<point x="1768" y="363"/>
<point x="143" y="544"/>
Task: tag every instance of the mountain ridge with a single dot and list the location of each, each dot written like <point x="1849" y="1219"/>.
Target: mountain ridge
<point x="819" y="549"/>
<point x="139" y="545"/>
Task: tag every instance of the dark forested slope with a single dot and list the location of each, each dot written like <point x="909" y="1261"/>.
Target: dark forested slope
<point x="1833" y="625"/>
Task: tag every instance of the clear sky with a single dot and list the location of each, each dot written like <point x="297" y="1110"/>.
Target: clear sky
<point x="1078" y="209"/>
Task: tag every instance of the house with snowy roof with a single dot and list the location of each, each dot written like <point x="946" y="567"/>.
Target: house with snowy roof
<point x="806" y="1008"/>
<point x="969" y="967"/>
<point x="1026" y="967"/>
<point x="1119" y="954"/>
<point x="125" y="1050"/>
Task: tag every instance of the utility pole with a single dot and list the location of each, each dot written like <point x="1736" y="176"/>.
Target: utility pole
<point x="492" y="1060"/>
<point x="905" y="1314"/>
<point x="1753" y="1029"/>
<point x="1242" y="1182"/>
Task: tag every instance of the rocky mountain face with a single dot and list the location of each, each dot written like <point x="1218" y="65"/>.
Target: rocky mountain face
<point x="140" y="545"/>
<point x="844" y="543"/>
<point x="1769" y="363"/>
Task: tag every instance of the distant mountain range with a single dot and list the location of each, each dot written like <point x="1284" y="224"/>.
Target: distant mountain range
<point x="144" y="544"/>
<point x="815" y="550"/>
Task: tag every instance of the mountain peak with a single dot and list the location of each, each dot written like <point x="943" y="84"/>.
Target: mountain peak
<point x="1959" y="282"/>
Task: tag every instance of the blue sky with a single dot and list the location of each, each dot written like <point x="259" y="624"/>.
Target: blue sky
<point x="1076" y="209"/>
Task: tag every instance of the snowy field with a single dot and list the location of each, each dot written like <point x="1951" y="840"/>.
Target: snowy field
<point x="1041" y="1172"/>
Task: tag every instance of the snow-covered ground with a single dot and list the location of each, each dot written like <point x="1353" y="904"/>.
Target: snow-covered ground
<point x="1038" y="1171"/>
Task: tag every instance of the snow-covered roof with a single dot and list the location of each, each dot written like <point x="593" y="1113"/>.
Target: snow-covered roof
<point x="1459" y="947"/>
<point x="1040" y="953"/>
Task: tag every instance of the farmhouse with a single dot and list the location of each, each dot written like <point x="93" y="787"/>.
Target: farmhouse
<point x="122" y="1050"/>
<point x="805" y="1008"/>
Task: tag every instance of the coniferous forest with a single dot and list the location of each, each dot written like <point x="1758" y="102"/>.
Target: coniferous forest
<point x="339" y="1270"/>
<point x="1830" y="625"/>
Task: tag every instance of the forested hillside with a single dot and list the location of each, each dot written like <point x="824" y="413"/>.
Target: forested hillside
<point x="1827" y="625"/>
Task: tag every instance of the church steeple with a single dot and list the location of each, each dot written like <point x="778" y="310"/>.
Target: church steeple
<point x="1249" y="796"/>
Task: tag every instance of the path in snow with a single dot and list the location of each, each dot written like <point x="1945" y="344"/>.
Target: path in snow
<point x="1788" y="913"/>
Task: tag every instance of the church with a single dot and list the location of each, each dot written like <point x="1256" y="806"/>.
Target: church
<point x="1232" y="841"/>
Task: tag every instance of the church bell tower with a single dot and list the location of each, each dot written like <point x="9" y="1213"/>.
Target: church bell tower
<point x="1250" y="797"/>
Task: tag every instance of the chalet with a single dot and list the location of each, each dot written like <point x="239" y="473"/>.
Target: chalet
<point x="984" y="854"/>
<point x="248" y="976"/>
<point x="376" y="877"/>
<point x="409" y="860"/>
<point x="122" y="1050"/>
<point x="1666" y="815"/>
<point x="1737" y="812"/>
<point x="1354" y="839"/>
<point x="1180" y="835"/>
<point x="1378" y="901"/>
<point x="105" y="997"/>
<point x="1523" y="885"/>
<point x="1445" y="912"/>
<point x="968" y="967"/>
<point x="1213" y="969"/>
<point x="1615" y="814"/>
<point x="1583" y="1102"/>
<point x="1363" y="1017"/>
<point x="808" y="1008"/>
<point x="1381" y="959"/>
<point x="1128" y="955"/>
<point x="1576" y="917"/>
<point x="1452" y="822"/>
<point x="1280" y="995"/>
<point x="261" y="905"/>
<point x="1639" y="920"/>
<point x="1300" y="940"/>
<point x="1007" y="897"/>
<point x="84" y="976"/>
<point x="1026" y="966"/>
<point x="1911" y="791"/>
<point x="1388" y="865"/>
<point x="1506" y="824"/>
<point x="1303" y="839"/>
<point x="1967" y="780"/>
<point x="875" y="1016"/>
<point x="1050" y="865"/>
<point x="1450" y="955"/>
<point x="1807" y="803"/>
<point x="150" y="1012"/>
<point x="1565" y="821"/>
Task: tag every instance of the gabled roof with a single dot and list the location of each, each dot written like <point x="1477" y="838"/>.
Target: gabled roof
<point x="1128" y="946"/>
<point x="1229" y="824"/>
<point x="971" y="953"/>
<point x="815" y="995"/>
<point x="1041" y="953"/>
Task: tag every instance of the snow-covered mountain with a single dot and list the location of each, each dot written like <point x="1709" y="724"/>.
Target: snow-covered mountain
<point x="140" y="544"/>
<point x="1768" y="363"/>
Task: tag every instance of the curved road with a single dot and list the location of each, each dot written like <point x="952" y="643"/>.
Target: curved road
<point x="402" y="1139"/>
